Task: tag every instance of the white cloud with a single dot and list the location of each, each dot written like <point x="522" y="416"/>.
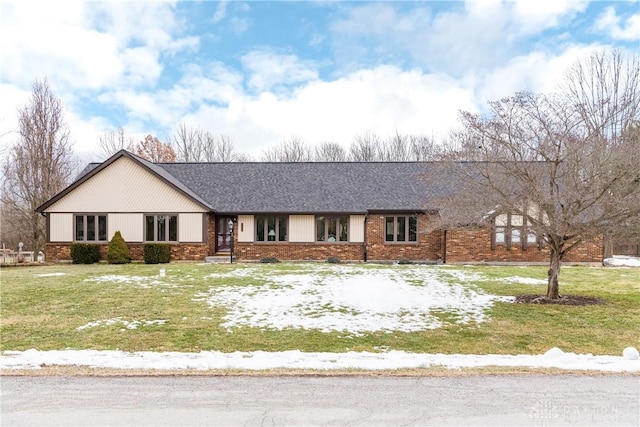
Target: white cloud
<point x="221" y="11"/>
<point x="383" y="99"/>
<point x="267" y="69"/>
<point x="612" y="24"/>
<point x="533" y="16"/>
<point x="475" y="34"/>
<point x="537" y="71"/>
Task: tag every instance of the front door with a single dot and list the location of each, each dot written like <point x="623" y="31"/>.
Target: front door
<point x="223" y="238"/>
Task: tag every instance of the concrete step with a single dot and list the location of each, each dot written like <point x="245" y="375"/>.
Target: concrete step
<point x="222" y="259"/>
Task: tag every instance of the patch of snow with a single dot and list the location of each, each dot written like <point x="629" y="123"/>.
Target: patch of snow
<point x="50" y="274"/>
<point x="354" y="300"/>
<point x="630" y="353"/>
<point x="114" y="278"/>
<point x="295" y="359"/>
<point x="140" y="281"/>
<point x="524" y="280"/>
<point x="622" y="261"/>
<point x="134" y="324"/>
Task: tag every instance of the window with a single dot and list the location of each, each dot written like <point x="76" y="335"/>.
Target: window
<point x="401" y="229"/>
<point x="512" y="229"/>
<point x="271" y="228"/>
<point x="91" y="228"/>
<point x="161" y="228"/>
<point x="332" y="229"/>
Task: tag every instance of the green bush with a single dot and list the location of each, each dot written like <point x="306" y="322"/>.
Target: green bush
<point x="333" y="260"/>
<point x="269" y="260"/>
<point x="156" y="253"/>
<point x="118" y="252"/>
<point x="404" y="261"/>
<point x="85" y="253"/>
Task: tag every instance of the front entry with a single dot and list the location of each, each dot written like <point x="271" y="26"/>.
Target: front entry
<point x="223" y="238"/>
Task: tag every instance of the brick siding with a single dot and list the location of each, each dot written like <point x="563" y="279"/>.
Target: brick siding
<point x="179" y="252"/>
<point x="474" y="245"/>
<point x="427" y="248"/>
<point x="463" y="245"/>
<point x="298" y="251"/>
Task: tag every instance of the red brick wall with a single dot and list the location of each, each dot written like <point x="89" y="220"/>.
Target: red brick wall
<point x="298" y="251"/>
<point x="427" y="248"/>
<point x="474" y="245"/>
<point x="179" y="252"/>
<point x="211" y="234"/>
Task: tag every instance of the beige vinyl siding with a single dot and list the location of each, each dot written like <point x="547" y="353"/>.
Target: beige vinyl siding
<point x="356" y="228"/>
<point x="301" y="228"/>
<point x="246" y="227"/>
<point x="130" y="225"/>
<point x="61" y="227"/>
<point x="190" y="227"/>
<point x="125" y="186"/>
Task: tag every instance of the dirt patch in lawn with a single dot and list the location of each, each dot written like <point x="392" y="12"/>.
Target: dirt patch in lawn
<point x="563" y="300"/>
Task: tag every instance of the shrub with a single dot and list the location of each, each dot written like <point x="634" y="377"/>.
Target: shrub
<point x="85" y="253"/>
<point x="118" y="252"/>
<point x="333" y="260"/>
<point x="404" y="261"/>
<point x="156" y="253"/>
<point x="269" y="260"/>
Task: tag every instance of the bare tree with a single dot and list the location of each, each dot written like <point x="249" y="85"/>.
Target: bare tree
<point x="535" y="156"/>
<point x="152" y="149"/>
<point x="330" y="152"/>
<point x="289" y="150"/>
<point x="605" y="87"/>
<point x="189" y="143"/>
<point x="396" y="148"/>
<point x="220" y="149"/>
<point x="197" y="145"/>
<point x="424" y="148"/>
<point x="37" y="167"/>
<point x="115" y="140"/>
<point x="365" y="147"/>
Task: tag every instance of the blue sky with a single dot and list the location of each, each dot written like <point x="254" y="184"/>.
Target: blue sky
<point x="261" y="71"/>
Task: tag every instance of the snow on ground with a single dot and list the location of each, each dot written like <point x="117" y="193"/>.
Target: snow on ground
<point x="260" y="360"/>
<point x="354" y="300"/>
<point x="133" y="324"/>
<point x="330" y="298"/>
<point x="622" y="261"/>
<point x="524" y="280"/>
<point x="140" y="281"/>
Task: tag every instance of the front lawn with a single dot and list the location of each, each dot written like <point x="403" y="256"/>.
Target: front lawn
<point x="314" y="308"/>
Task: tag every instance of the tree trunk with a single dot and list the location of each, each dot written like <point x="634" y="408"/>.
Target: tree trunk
<point x="608" y="246"/>
<point x="554" y="274"/>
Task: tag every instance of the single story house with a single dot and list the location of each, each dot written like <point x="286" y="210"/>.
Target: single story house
<point x="375" y="211"/>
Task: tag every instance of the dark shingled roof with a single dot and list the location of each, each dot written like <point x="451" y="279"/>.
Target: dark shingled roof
<point x="344" y="187"/>
<point x="307" y="187"/>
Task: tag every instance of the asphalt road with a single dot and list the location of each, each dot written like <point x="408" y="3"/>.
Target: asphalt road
<point x="541" y="400"/>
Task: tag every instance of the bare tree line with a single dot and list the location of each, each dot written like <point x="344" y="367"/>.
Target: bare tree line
<point x="191" y="144"/>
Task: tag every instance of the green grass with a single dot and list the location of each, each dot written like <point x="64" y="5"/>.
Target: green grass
<point x="44" y="312"/>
